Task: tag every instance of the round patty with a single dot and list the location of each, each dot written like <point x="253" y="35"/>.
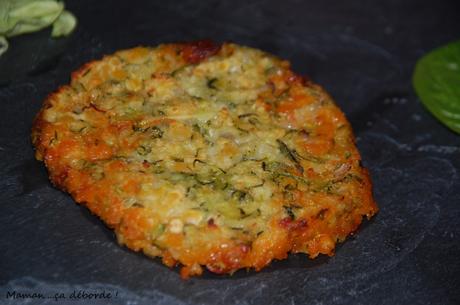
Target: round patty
<point x="206" y="155"/>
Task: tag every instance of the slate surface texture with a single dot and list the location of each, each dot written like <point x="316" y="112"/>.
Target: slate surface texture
<point x="362" y="52"/>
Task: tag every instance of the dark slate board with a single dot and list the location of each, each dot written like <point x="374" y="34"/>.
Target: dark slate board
<point x="362" y="52"/>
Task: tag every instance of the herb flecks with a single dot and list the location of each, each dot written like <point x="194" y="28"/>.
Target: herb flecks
<point x="211" y="83"/>
<point x="290" y="155"/>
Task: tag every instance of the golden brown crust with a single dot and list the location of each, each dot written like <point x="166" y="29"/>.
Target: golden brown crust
<point x="205" y="155"/>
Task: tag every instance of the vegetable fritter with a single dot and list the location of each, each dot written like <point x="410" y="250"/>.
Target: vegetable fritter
<point x="206" y="155"/>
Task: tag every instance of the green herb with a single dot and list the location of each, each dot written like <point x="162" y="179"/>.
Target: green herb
<point x="289" y="211"/>
<point x="241" y="196"/>
<point x="143" y="150"/>
<point x="271" y="166"/>
<point x="296" y="178"/>
<point x="159" y="229"/>
<point x="244" y="115"/>
<point x="290" y="154"/>
<point x="3" y="45"/>
<point x="26" y="16"/>
<point x="64" y="24"/>
<point x="436" y="80"/>
<point x="211" y="83"/>
<point x="308" y="157"/>
<point x="156" y="132"/>
<point x="285" y="150"/>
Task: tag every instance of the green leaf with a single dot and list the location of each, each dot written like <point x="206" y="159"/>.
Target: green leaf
<point x="3" y="45"/>
<point x="64" y="25"/>
<point x="34" y="16"/>
<point x="436" y="81"/>
<point x="5" y="23"/>
<point x="36" y="9"/>
<point x="26" y="16"/>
